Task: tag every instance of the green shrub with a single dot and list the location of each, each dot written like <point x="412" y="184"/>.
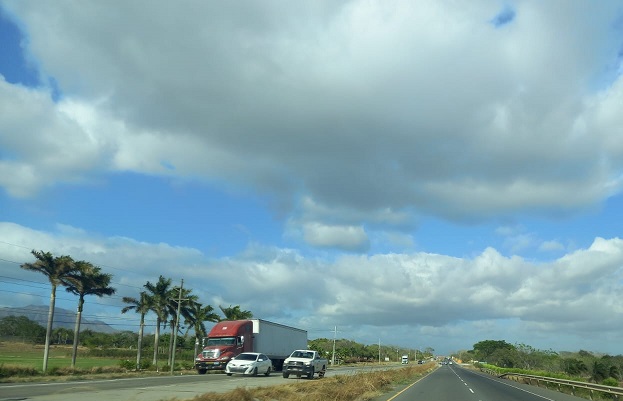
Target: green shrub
<point x="611" y="381"/>
<point x="17" y="370"/>
<point x="127" y="364"/>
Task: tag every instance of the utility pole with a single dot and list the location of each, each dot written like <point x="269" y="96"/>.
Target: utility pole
<point x="333" y="357"/>
<point x="177" y="325"/>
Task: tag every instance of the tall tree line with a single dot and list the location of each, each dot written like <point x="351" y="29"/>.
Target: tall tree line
<point x="165" y="300"/>
<point x="161" y="298"/>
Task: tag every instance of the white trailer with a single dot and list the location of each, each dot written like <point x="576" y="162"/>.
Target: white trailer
<point x="276" y="340"/>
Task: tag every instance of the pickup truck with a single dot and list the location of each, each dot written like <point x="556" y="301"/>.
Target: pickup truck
<point x="304" y="362"/>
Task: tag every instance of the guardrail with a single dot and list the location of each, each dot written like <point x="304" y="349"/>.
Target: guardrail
<point x="615" y="392"/>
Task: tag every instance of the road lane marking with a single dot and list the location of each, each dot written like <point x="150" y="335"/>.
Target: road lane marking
<point x="518" y="388"/>
<point x="408" y="387"/>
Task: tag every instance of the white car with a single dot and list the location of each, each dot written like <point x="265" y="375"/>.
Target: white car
<point x="249" y="363"/>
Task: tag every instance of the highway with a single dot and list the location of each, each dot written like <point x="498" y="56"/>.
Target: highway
<point x="453" y="383"/>
<point x="150" y="388"/>
<point x="447" y="383"/>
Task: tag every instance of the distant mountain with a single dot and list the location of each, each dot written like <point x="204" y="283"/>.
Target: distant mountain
<point x="62" y="318"/>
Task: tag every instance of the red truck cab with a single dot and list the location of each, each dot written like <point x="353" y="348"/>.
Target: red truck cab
<point x="226" y="340"/>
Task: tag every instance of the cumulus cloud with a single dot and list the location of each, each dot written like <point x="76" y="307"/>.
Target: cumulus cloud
<point x="345" y="237"/>
<point x="430" y="291"/>
<point x="358" y="120"/>
<point x="42" y="144"/>
<point x="370" y="107"/>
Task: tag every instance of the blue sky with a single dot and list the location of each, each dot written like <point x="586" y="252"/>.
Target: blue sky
<point x="432" y="176"/>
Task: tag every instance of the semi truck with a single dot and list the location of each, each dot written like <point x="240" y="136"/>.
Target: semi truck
<point x="229" y="338"/>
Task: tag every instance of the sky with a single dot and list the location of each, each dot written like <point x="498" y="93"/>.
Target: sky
<point x="419" y="174"/>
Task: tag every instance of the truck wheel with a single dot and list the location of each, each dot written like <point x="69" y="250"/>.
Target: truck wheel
<point x="267" y="372"/>
<point x="321" y="373"/>
<point x="310" y="375"/>
<point x="201" y="371"/>
<point x="286" y="375"/>
<point x="228" y="374"/>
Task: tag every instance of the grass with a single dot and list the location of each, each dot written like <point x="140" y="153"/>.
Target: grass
<point x="23" y="362"/>
<point x="28" y="355"/>
<point x="358" y="387"/>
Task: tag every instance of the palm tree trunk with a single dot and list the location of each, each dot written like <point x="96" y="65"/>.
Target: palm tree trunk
<point x="48" y="332"/>
<point x="140" y="342"/>
<point x="74" y="351"/>
<point x="196" y="347"/>
<point x="156" y="341"/>
<point x="171" y="343"/>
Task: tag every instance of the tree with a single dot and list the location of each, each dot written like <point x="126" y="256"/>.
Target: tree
<point x="599" y="372"/>
<point x="484" y="349"/>
<point x="200" y="314"/>
<point x="140" y="306"/>
<point x="21" y="326"/>
<point x="54" y="268"/>
<point x="158" y="296"/>
<point x="573" y="366"/>
<point x="234" y="313"/>
<point x="86" y="280"/>
<point x="61" y="334"/>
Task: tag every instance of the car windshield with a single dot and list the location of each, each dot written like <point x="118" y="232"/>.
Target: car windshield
<point x="246" y="357"/>
<point x="299" y="354"/>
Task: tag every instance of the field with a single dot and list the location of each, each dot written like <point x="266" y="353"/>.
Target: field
<point x="60" y="357"/>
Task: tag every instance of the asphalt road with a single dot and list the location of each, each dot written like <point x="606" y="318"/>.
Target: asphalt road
<point x="150" y="388"/>
<point x="453" y="383"/>
<point x="447" y="383"/>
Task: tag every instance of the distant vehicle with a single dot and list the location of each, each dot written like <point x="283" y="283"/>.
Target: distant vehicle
<point x="249" y="363"/>
<point x="229" y="338"/>
<point x="405" y="359"/>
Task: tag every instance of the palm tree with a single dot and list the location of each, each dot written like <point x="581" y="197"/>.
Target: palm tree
<point x="199" y="315"/>
<point x="55" y="268"/>
<point x="139" y="306"/>
<point x="158" y="296"/>
<point x="234" y="313"/>
<point x="87" y="280"/>
<point x="184" y="308"/>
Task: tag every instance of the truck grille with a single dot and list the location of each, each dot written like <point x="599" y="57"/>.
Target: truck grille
<point x="209" y="354"/>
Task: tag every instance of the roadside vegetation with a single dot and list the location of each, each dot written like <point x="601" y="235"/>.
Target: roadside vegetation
<point x="359" y="387"/>
<point x="501" y="357"/>
<point x="183" y="325"/>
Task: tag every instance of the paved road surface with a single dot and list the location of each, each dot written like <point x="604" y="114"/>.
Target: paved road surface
<point x="453" y="383"/>
<point x="150" y="388"/>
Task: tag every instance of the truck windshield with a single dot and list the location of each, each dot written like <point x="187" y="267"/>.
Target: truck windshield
<point x="221" y="341"/>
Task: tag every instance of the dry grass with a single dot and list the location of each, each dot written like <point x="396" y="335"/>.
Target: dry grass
<point x="358" y="387"/>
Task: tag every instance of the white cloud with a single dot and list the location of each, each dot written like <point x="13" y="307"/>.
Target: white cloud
<point x="422" y="291"/>
<point x="344" y="105"/>
<point x="42" y="144"/>
<point x="549" y="246"/>
<point x="343" y="237"/>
